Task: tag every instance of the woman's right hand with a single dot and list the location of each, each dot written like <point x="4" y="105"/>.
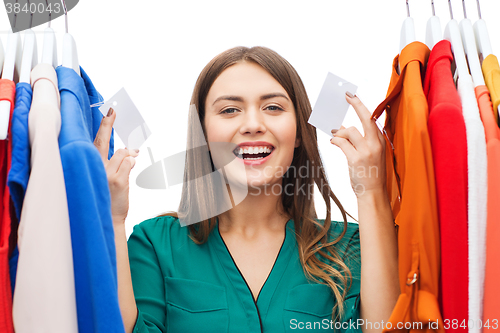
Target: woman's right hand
<point x="117" y="168"/>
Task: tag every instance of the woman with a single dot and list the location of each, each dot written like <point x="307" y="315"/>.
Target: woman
<point x="259" y="259"/>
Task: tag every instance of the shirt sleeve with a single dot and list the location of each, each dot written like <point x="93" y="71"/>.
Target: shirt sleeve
<point x="148" y="283"/>
<point x="351" y="254"/>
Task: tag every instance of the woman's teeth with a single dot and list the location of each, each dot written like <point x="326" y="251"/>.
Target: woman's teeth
<point x="261" y="151"/>
<point x="255" y="150"/>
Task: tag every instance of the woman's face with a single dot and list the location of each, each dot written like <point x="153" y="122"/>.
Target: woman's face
<point x="249" y="109"/>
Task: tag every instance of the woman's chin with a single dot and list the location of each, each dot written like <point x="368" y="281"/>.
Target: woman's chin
<point x="246" y="181"/>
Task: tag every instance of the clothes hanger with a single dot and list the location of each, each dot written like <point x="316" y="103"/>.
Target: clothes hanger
<point x="2" y="56"/>
<point x="407" y="30"/>
<point x="11" y="68"/>
<point x="30" y="54"/>
<point x="469" y="42"/>
<point x="13" y="54"/>
<point x="433" y="32"/>
<point x="452" y="34"/>
<point x="482" y="37"/>
<point x="70" y="54"/>
<point x="49" y="51"/>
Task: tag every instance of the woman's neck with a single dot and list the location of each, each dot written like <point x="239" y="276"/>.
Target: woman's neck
<point x="260" y="211"/>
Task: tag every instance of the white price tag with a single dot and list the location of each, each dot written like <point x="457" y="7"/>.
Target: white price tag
<point x="129" y="124"/>
<point x="331" y="106"/>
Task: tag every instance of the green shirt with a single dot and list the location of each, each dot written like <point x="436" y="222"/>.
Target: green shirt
<point x="183" y="287"/>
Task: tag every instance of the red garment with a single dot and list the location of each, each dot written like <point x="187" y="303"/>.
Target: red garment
<point x="7" y="93"/>
<point x="449" y="152"/>
<point x="491" y="286"/>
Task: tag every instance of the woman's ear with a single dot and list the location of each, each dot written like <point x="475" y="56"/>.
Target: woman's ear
<point x="297" y="142"/>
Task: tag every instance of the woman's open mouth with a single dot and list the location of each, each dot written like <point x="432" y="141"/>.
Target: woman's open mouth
<point x="253" y="154"/>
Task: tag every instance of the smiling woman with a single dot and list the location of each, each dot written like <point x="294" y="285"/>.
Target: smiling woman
<point x="254" y="256"/>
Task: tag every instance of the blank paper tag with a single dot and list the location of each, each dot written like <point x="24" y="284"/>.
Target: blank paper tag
<point x="331" y="106"/>
<point x="129" y="124"/>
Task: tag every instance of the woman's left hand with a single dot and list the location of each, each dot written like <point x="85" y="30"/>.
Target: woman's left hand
<point x="365" y="155"/>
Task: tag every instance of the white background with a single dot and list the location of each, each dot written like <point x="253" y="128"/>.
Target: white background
<point x="156" y="50"/>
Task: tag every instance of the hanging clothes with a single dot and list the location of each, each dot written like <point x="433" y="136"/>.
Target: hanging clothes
<point x="410" y="166"/>
<point x="89" y="204"/>
<point x="21" y="151"/>
<point x="491" y="287"/>
<point x="491" y="72"/>
<point x="449" y="152"/>
<point x="21" y="165"/>
<point x="181" y="286"/>
<point x="44" y="298"/>
<point x="7" y="93"/>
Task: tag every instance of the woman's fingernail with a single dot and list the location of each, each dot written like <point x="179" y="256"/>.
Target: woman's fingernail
<point x="110" y="112"/>
<point x="349" y="94"/>
<point x="136" y="150"/>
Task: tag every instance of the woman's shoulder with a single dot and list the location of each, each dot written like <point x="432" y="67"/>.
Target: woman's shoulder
<point x="337" y="227"/>
<point x="160" y="228"/>
<point x="165" y="221"/>
<point x="348" y="247"/>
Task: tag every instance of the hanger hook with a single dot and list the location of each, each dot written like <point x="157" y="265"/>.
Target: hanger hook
<point x="433" y="9"/>
<point x="463" y="4"/>
<point x="50" y="12"/>
<point x="31" y="15"/>
<point x="479" y="10"/>
<point x="65" y="14"/>
<point x="407" y="8"/>
<point x="451" y="12"/>
<point x="15" y="17"/>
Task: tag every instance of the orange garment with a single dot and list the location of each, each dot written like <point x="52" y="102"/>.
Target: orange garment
<point x="491" y="309"/>
<point x="412" y="190"/>
<point x="491" y="72"/>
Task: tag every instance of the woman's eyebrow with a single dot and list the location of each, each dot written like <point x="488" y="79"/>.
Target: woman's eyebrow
<point x="240" y="99"/>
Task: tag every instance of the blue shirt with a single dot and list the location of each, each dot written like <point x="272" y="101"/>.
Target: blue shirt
<point x="21" y="152"/>
<point x="20" y="167"/>
<point x="89" y="206"/>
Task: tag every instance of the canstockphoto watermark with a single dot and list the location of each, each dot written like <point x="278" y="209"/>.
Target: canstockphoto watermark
<point x="359" y="324"/>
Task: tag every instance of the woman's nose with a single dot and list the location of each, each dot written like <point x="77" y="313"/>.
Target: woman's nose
<point x="253" y="122"/>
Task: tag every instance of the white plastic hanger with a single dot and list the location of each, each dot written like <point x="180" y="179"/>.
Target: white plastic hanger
<point x="13" y="54"/>
<point x="49" y="51"/>
<point x="30" y="54"/>
<point x="482" y="37"/>
<point x="11" y="68"/>
<point x="452" y="34"/>
<point x="433" y="32"/>
<point x="407" y="30"/>
<point x="469" y="42"/>
<point x="2" y="56"/>
<point x="70" y="54"/>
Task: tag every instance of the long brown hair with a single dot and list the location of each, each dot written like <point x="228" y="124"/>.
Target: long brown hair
<point x="312" y="236"/>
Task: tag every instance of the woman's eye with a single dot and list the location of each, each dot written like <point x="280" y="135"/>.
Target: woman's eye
<point x="228" y="111"/>
<point x="277" y="108"/>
